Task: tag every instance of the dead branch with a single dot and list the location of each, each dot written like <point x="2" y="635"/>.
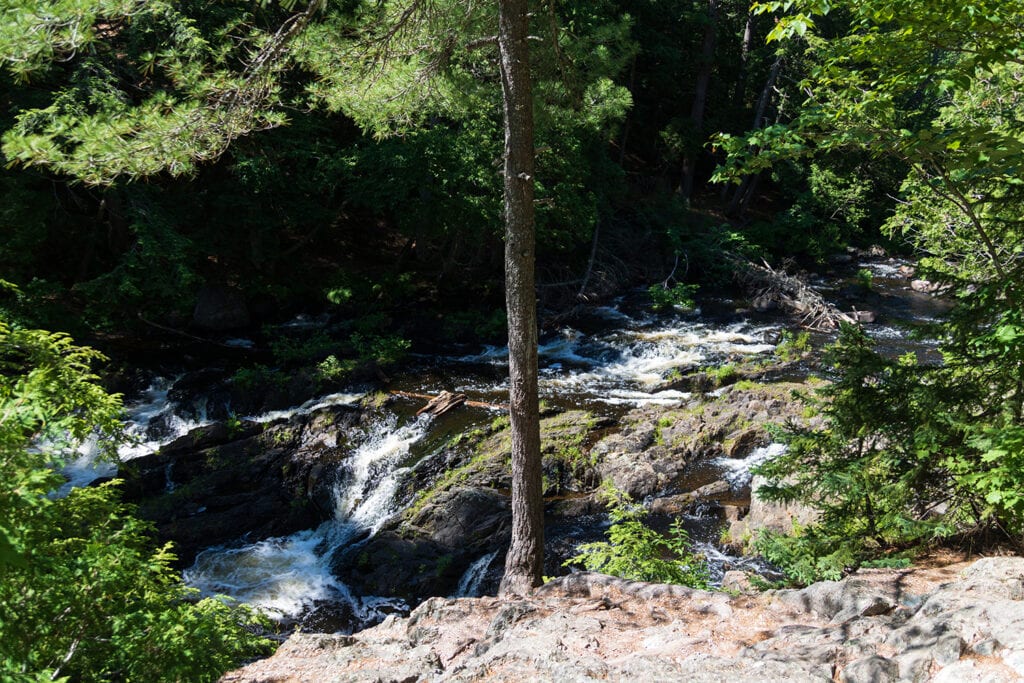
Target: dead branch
<point x="791" y="293"/>
<point x="445" y="401"/>
<point x="186" y="335"/>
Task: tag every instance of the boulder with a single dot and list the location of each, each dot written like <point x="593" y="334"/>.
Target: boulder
<point x="738" y="582"/>
<point x="673" y="505"/>
<point x="863" y="316"/>
<point x="763" y="514"/>
<point x="650" y="452"/>
<point x="926" y="286"/>
<point x="589" y="627"/>
<point x="741" y="444"/>
<point x="473" y="519"/>
<point x="428" y="553"/>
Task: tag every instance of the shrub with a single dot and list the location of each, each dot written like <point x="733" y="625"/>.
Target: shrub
<point x="664" y="297"/>
<point x="83" y="593"/>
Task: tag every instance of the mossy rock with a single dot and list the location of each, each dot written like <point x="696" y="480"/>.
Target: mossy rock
<point x="565" y="444"/>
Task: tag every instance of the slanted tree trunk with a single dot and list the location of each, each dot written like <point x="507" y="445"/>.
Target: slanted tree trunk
<point x="524" y="562"/>
<point x="741" y="199"/>
<point x="700" y="99"/>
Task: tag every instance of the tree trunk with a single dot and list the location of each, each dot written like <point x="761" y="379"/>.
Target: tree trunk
<point x="700" y="99"/>
<point x="741" y="199"/>
<point x="740" y="93"/>
<point x="524" y="562"/>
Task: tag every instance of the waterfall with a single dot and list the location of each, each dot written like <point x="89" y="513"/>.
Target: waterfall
<point x="150" y="423"/>
<point x="469" y="583"/>
<point x="737" y="471"/>
<point x="286" y="576"/>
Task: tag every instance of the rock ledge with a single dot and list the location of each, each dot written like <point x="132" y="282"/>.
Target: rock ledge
<point x="956" y="623"/>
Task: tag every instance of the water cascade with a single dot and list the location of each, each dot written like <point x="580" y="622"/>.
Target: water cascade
<point x="286" y="576"/>
<point x="469" y="583"/>
<point x="151" y="422"/>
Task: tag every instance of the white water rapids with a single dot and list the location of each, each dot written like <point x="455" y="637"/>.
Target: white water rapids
<point x="626" y="365"/>
<point x="288" y="576"/>
<point x="151" y="423"/>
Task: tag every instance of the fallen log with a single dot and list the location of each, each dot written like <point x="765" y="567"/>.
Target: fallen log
<point x="792" y="294"/>
<point x="445" y="401"/>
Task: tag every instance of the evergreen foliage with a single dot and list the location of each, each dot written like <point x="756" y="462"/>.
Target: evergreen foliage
<point x="917" y="451"/>
<point x="383" y="193"/>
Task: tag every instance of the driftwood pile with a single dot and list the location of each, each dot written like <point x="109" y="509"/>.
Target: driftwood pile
<point x="791" y="294"/>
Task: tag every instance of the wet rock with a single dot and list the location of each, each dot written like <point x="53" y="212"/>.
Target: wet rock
<point x="568" y="465"/>
<point x="906" y="271"/>
<point x="460" y="508"/>
<point x="470" y="518"/>
<point x="577" y="506"/>
<point x="226" y="480"/>
<point x="655" y="444"/>
<point x="428" y="552"/>
<point x="390" y="565"/>
<point x="628" y="459"/>
<point x="693" y="382"/>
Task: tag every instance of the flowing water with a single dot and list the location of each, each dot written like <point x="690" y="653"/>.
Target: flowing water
<point x="616" y="364"/>
<point x="152" y="421"/>
<point x="611" y="359"/>
<point x="289" y="575"/>
<point x="473" y="577"/>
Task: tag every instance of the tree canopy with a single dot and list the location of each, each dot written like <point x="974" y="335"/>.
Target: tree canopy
<point x="915" y="450"/>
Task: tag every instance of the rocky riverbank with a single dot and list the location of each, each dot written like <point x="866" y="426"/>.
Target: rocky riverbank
<point x="957" y="623"/>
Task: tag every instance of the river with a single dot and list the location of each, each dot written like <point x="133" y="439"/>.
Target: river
<point x="607" y="360"/>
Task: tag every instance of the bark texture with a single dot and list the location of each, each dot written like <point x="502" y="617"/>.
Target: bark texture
<point x="524" y="562"/>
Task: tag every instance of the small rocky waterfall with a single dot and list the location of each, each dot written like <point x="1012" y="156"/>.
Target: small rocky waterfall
<point x="289" y="575"/>
<point x="469" y="584"/>
<point x="152" y="421"/>
<point x="738" y="471"/>
<point x="618" y="365"/>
